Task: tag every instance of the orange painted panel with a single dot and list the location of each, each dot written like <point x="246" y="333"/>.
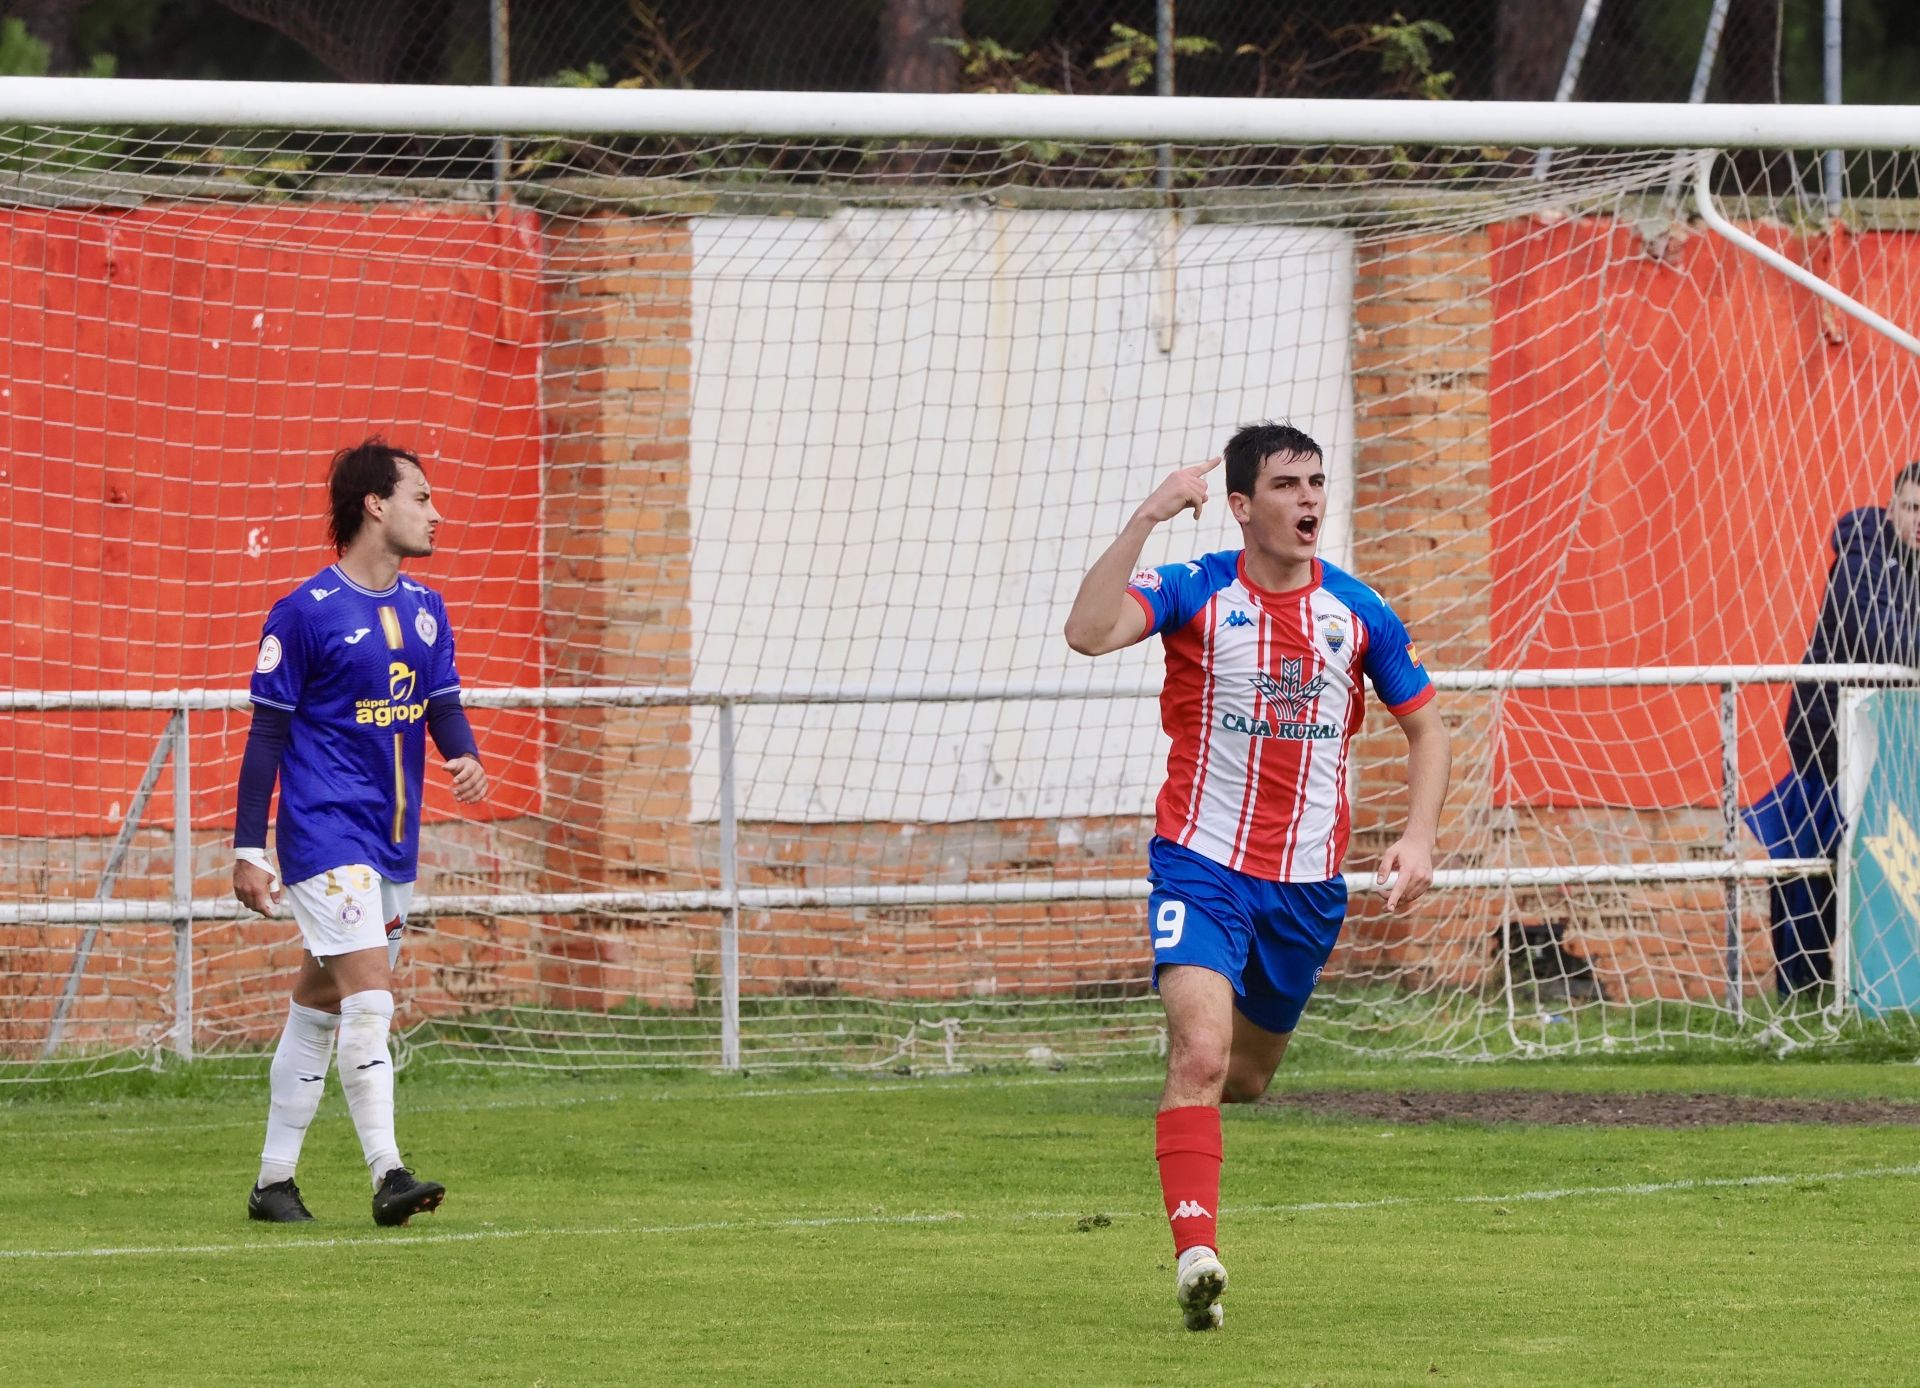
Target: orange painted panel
<point x="1673" y="439"/>
<point x="175" y="380"/>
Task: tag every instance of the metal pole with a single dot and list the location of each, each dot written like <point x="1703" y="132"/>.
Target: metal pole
<point x="1856" y="746"/>
<point x="1730" y="837"/>
<point x="1835" y="171"/>
<point x="1702" y="79"/>
<point x="1170" y="226"/>
<point x="1163" y="78"/>
<point x="730" y="893"/>
<point x="1570" y="74"/>
<point x="498" y="74"/>
<point x="182" y="890"/>
<point x="108" y="876"/>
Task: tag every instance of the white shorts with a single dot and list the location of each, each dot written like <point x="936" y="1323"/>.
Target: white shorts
<point x="350" y="908"/>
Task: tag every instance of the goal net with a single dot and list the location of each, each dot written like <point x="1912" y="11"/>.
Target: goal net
<point x="771" y="466"/>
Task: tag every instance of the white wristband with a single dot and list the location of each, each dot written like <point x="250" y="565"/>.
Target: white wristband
<point x="258" y="857"/>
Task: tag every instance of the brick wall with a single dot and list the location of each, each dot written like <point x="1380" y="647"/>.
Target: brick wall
<point x="618" y="551"/>
<point x="1422" y="354"/>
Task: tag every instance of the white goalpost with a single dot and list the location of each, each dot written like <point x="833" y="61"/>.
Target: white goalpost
<point x="775" y="432"/>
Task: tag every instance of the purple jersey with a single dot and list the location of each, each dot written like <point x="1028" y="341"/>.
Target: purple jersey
<point x="355" y="668"/>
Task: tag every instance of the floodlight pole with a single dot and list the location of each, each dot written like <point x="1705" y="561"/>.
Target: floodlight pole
<point x="1570" y="74"/>
<point x="1702" y="79"/>
<point x="1835" y="170"/>
<point x="499" y="75"/>
<point x="1167" y="270"/>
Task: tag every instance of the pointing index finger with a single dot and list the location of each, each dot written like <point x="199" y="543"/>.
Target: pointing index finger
<point x="1204" y="468"/>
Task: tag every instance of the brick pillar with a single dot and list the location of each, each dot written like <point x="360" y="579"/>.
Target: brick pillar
<point x="618" y="388"/>
<point x="1422" y="354"/>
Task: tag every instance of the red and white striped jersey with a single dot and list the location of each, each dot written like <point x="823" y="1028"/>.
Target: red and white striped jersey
<point x="1262" y="698"/>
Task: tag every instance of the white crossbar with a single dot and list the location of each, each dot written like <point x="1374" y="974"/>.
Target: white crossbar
<point x="870" y="115"/>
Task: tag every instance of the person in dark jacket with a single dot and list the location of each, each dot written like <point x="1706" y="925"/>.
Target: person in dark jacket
<point x="1870" y="615"/>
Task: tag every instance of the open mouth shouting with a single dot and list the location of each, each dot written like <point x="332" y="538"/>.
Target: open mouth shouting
<point x="1307" y="528"/>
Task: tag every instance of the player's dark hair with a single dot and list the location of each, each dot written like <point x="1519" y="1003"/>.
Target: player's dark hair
<point x="370" y="468"/>
<point x="1255" y="443"/>
<point x="1908" y="476"/>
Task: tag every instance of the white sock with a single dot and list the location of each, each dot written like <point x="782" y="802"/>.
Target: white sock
<point x="1197" y="1251"/>
<point x="366" y="1074"/>
<point x="298" y="1077"/>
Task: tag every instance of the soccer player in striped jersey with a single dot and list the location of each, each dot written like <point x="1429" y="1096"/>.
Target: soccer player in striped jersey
<point x="355" y="667"/>
<point x="1266" y="647"/>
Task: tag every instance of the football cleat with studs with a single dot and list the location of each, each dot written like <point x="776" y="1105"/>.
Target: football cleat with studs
<point x="279" y="1203"/>
<point x="1202" y="1279"/>
<point x="402" y="1195"/>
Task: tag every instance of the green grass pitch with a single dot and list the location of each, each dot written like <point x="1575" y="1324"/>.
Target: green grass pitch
<point x="982" y="1229"/>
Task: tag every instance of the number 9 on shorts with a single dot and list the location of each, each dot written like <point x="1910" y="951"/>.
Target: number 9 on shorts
<point x="1169" y="924"/>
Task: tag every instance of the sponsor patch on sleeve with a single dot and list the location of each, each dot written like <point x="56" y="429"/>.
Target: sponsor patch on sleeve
<point x="1413" y="653"/>
<point x="269" y="658"/>
<point x="1148" y="579"/>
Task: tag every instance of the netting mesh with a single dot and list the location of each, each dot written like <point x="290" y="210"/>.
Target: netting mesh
<point x="828" y="433"/>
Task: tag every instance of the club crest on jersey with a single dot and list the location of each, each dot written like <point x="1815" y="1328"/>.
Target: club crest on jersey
<point x="1333" y="630"/>
<point x="350" y="912"/>
<point x="1289" y="692"/>
<point x="424" y="624"/>
<point x="1146" y="578"/>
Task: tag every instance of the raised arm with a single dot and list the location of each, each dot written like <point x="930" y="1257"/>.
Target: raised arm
<point x="1429" y="764"/>
<point x="1104" y="618"/>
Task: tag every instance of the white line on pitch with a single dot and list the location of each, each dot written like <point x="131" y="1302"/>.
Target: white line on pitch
<point x="901" y="1086"/>
<point x="721" y="1226"/>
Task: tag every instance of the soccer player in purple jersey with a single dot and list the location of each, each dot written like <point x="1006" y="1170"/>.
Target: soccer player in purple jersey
<point x="355" y="667"/>
<point x="1268" y="648"/>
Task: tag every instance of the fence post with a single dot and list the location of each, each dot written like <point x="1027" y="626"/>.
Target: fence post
<point x="1730" y="837"/>
<point x="730" y="889"/>
<point x="103" y="890"/>
<point x="182" y="888"/>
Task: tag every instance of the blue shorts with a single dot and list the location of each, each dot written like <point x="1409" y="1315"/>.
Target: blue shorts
<point x="1270" y="939"/>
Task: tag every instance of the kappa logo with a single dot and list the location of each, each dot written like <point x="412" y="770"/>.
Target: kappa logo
<point x="322" y="594"/>
<point x="1190" y="1209"/>
<point x="1289" y="691"/>
<point x="354" y="639"/>
<point x="1237" y="619"/>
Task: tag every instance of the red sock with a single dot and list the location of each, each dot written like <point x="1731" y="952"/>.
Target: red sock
<point x="1188" y="1146"/>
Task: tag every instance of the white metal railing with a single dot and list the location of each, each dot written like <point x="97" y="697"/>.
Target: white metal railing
<point x="182" y="909"/>
<point x="66" y="101"/>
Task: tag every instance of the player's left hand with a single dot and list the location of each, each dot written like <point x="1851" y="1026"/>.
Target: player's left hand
<point x="1410" y="863"/>
<point x="469" y="779"/>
